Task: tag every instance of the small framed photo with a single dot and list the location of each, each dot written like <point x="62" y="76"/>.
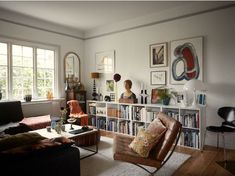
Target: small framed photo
<point x="158" y="55"/>
<point x="158" y="77"/>
<point x="109" y="85"/>
<point x="112" y="96"/>
<point x="155" y="98"/>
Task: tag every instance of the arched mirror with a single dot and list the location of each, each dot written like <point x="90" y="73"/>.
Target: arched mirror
<point x="72" y="66"/>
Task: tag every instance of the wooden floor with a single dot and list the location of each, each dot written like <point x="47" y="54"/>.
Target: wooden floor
<point x="204" y="163"/>
<point x="201" y="163"/>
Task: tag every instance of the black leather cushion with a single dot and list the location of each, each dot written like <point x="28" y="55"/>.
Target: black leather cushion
<point x="21" y="128"/>
<point x="10" y="111"/>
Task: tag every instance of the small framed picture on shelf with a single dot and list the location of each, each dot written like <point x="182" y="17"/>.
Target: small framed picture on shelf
<point x="201" y="99"/>
<point x="155" y="99"/>
<point x="112" y="96"/>
<point x="158" y="55"/>
<point x="158" y="77"/>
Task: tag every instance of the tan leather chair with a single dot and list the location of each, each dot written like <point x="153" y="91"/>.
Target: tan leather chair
<point x="158" y="155"/>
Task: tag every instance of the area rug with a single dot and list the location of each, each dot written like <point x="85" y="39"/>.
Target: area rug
<point x="102" y="164"/>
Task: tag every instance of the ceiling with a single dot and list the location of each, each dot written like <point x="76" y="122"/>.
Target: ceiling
<point x="90" y="14"/>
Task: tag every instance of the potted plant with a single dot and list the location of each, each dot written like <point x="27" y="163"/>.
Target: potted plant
<point x="165" y="96"/>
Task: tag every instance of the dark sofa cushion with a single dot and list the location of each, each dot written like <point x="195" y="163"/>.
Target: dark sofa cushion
<point x="21" y="128"/>
<point x="38" y="147"/>
<point x="12" y="141"/>
<point x="10" y="111"/>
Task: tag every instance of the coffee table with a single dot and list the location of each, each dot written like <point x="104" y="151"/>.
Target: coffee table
<point x="76" y="137"/>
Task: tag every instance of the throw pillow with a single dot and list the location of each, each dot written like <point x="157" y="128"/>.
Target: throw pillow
<point x="143" y="142"/>
<point x="156" y="126"/>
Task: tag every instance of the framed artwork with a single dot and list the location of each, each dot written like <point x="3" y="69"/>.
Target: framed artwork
<point x="158" y="77"/>
<point x="109" y="85"/>
<point x="155" y="99"/>
<point x="158" y="55"/>
<point x="105" y="61"/>
<point x="112" y="96"/>
<point x="186" y="60"/>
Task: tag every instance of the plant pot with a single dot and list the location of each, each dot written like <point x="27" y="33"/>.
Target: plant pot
<point x="166" y="101"/>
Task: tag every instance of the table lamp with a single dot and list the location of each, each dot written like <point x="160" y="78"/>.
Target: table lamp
<point x="194" y="85"/>
<point x="94" y="75"/>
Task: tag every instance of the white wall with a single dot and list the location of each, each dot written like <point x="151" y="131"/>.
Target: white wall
<point x="65" y="44"/>
<point x="132" y="58"/>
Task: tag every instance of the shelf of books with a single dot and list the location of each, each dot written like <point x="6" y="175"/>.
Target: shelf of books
<point x="128" y="118"/>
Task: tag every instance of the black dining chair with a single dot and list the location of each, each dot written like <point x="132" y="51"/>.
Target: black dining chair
<point x="228" y="114"/>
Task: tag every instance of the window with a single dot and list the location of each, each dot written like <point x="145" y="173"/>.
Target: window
<point x="26" y="70"/>
<point x="45" y="72"/>
<point x="3" y="70"/>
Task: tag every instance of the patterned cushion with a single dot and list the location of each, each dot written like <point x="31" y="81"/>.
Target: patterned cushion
<point x="147" y="139"/>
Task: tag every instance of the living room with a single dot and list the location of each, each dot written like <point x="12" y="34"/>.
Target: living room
<point x="129" y="32"/>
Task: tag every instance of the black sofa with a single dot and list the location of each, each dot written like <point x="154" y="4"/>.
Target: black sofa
<point x="60" y="160"/>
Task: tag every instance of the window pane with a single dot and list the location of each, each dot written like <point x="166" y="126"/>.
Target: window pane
<point x="3" y="81"/>
<point x="17" y="50"/>
<point x="45" y="72"/>
<point x="3" y="48"/>
<point x="22" y="79"/>
<point x="3" y="70"/>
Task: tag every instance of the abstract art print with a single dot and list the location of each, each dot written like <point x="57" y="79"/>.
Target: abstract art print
<point x="158" y="55"/>
<point x="105" y="61"/>
<point x="186" y="60"/>
<point x="158" y="78"/>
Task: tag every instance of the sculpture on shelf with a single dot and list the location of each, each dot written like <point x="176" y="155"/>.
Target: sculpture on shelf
<point x="94" y="75"/>
<point x="143" y="94"/>
<point x="128" y="96"/>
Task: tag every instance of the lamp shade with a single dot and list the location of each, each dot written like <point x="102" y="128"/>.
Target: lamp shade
<point x="94" y="75"/>
<point x="194" y="84"/>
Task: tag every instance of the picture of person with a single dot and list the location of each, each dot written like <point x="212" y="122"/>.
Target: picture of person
<point x="109" y="85"/>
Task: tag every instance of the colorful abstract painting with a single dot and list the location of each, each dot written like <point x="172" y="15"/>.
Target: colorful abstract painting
<point x="186" y="60"/>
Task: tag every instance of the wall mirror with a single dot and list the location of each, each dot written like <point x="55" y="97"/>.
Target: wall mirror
<point x="72" y="66"/>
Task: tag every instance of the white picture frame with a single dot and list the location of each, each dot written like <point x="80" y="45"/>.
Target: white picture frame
<point x="186" y="60"/>
<point x="158" y="77"/>
<point x="158" y="55"/>
<point x="105" y="61"/>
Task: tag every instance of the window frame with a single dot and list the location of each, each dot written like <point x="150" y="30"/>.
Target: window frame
<point x="35" y="46"/>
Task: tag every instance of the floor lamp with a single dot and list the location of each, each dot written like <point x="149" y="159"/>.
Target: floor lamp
<point x="94" y="75"/>
<point x="194" y="85"/>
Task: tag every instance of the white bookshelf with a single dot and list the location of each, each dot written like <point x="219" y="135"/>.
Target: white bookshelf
<point x="128" y="118"/>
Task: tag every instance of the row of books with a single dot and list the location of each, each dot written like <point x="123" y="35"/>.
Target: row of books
<point x="190" y="120"/>
<point x="142" y="114"/>
<point x="190" y="138"/>
<point x="124" y="112"/>
<point x="112" y="125"/>
<point x="92" y="121"/>
<point x="101" y="123"/>
<point x="136" y="127"/>
<point x="124" y="127"/>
